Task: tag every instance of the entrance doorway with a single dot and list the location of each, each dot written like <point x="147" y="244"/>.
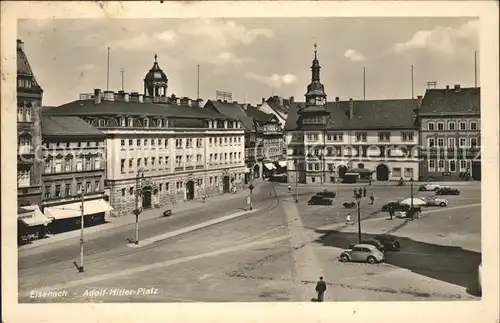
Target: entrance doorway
<point x="225" y="184"/>
<point x="190" y="190"/>
<point x="256" y="171"/>
<point x="342" y="171"/>
<point x="146" y="197"/>
<point x="476" y="171"/>
<point x="382" y="172"/>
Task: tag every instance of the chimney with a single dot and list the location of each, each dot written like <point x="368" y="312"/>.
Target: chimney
<point x="245" y="106"/>
<point x="447" y="87"/>
<point x="351" y="108"/>
<point x="126" y="97"/>
<point x="280" y="100"/>
<point x="457" y="87"/>
<point x="263" y="100"/>
<point x="109" y="96"/>
<point x="20" y="45"/>
<point x="134" y="96"/>
<point x="97" y="96"/>
<point x="419" y="101"/>
<point x="292" y="100"/>
<point x="337" y="99"/>
<point x="141" y="98"/>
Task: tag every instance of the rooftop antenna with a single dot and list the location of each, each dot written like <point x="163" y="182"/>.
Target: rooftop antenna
<point x="475" y="69"/>
<point x="107" y="74"/>
<point x="244" y="97"/>
<point x="123" y="80"/>
<point x="364" y="83"/>
<point x="412" y="92"/>
<point x="198" y="86"/>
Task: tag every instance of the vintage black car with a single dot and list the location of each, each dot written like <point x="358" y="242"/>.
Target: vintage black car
<point x="319" y="200"/>
<point x="447" y="191"/>
<point x="167" y="212"/>
<point x="372" y="242"/>
<point x="396" y="206"/>
<point x="327" y="193"/>
<point x="389" y="242"/>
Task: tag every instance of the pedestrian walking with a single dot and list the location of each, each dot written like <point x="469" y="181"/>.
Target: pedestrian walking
<point x="364" y="191"/>
<point x="355" y="191"/>
<point x="203" y="198"/>
<point x="360" y="192"/>
<point x="391" y="212"/>
<point x="320" y="289"/>
<point x="372" y="199"/>
<point x="348" y="220"/>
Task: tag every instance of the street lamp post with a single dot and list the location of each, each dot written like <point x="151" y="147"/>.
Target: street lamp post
<point x="358" y="199"/>
<point x="82" y="214"/>
<point x="137" y="211"/>
<point x="251" y="187"/>
<point x="411" y="192"/>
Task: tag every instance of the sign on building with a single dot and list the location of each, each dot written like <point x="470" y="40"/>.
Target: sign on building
<point x="224" y="96"/>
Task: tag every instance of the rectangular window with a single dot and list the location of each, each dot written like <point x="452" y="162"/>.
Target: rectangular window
<point x="159" y="142"/>
<point x="451" y="143"/>
<point x="361" y="136"/>
<point x="130" y="163"/>
<point x="153" y="159"/>
<point x="46" y="191"/>
<point x="452" y="166"/>
<point x="131" y="191"/>
<point x="451" y="125"/>
<point x="58" y="191"/>
<point x="130" y="122"/>
<point x="122" y="143"/>
<point x="309" y="166"/>
<point x="408" y="172"/>
<point x="122" y="166"/>
<point x="407" y="136"/>
<point x="160" y="161"/>
<point x="123" y="192"/>
<point x="440" y="126"/>
<point x="396" y="172"/>
<point x="440" y="142"/>
<point x="145" y="142"/>
<point x="473" y="125"/>
<point x="473" y="142"/>
<point x="464" y="165"/>
<point x="67" y="190"/>
<point x="430" y="126"/>
<point x="178" y="161"/>
<point x="79" y="163"/>
<point x="462" y="142"/>
<point x="138" y="163"/>
<point x="88" y="163"/>
<point x="167" y="186"/>
<point x="89" y="187"/>
<point x="198" y="158"/>
<point x="463" y="125"/>
<point x="384" y="136"/>
<point x="145" y="162"/>
<point x="432" y="165"/>
<point x="152" y="142"/>
<point x="138" y="142"/>
<point x="441" y="165"/>
<point x="316" y="166"/>
<point x="58" y="164"/>
<point x="97" y="186"/>
<point x="178" y="143"/>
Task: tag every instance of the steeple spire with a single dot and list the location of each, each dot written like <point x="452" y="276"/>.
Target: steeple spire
<point x="315" y="95"/>
<point x="156" y="58"/>
<point x="315" y="51"/>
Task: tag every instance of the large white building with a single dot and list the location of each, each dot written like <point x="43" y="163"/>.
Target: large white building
<point x="325" y="140"/>
<point x="163" y="151"/>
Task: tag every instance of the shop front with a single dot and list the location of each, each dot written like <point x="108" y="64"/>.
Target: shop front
<point x="269" y="169"/>
<point x="68" y="217"/>
<point x="31" y="224"/>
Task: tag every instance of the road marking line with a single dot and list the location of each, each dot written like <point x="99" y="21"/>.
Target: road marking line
<point x="132" y="271"/>
<point x="451" y="208"/>
<point x="195" y="227"/>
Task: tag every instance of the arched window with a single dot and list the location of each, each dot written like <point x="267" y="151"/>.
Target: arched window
<point x="79" y="162"/>
<point x="24" y="143"/>
<point x="97" y="161"/>
<point x="20" y="113"/>
<point x="146" y="122"/>
<point x="27" y="111"/>
<point x="68" y="163"/>
<point x="88" y="161"/>
<point x="58" y="164"/>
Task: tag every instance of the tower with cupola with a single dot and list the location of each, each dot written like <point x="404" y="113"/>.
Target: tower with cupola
<point x="156" y="83"/>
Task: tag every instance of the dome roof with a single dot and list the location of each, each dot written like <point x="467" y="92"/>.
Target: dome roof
<point x="156" y="74"/>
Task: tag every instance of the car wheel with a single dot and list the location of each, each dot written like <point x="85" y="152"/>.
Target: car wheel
<point x="371" y="260"/>
<point x="344" y="258"/>
<point x="397" y="246"/>
<point x="442" y="204"/>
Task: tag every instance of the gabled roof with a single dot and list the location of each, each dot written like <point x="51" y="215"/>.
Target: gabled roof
<point x="369" y="114"/>
<point x="67" y="127"/>
<point x="451" y="101"/>
<point x="89" y="108"/>
<point x="226" y="108"/>
<point x="259" y="115"/>
<point x="281" y="109"/>
<point x="248" y="123"/>
<point x="23" y="66"/>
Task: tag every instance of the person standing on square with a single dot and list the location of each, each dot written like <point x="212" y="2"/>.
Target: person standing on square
<point x="320" y="289"/>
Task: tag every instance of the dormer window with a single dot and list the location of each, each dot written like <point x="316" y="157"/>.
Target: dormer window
<point x="122" y="122"/>
<point x="160" y="123"/>
<point x="101" y="122"/>
<point x="146" y="122"/>
<point x="130" y="122"/>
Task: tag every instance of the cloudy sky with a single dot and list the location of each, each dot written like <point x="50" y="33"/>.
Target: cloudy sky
<point x="252" y="58"/>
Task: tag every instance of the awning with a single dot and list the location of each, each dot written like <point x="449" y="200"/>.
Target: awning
<point x="269" y="166"/>
<point x="282" y="163"/>
<point x="72" y="210"/>
<point x="32" y="216"/>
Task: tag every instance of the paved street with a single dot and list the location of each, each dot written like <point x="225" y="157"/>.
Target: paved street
<point x="273" y="254"/>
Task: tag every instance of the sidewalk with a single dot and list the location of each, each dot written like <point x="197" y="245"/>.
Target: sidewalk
<point x="144" y="216"/>
<point x="382" y="184"/>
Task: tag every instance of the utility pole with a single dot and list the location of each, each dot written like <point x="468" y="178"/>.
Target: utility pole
<point x="107" y="74"/>
<point x="412" y="93"/>
<point x="475" y="69"/>
<point x="364" y="83"/>
<point x="137" y="211"/>
<point x="198" y="86"/>
<point x="123" y="81"/>
<point x="296" y="181"/>
<point x="82" y="214"/>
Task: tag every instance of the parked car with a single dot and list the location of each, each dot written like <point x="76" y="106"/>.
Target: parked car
<point x="435" y="201"/>
<point x="167" y="212"/>
<point x="429" y="187"/>
<point x="349" y="205"/>
<point x="447" y="191"/>
<point x="372" y="242"/>
<point x="389" y="242"/>
<point x="363" y="253"/>
<point x="396" y="206"/>
<point x="319" y="200"/>
<point x="328" y="194"/>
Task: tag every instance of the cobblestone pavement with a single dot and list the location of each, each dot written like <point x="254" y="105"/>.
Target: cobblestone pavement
<point x="277" y="254"/>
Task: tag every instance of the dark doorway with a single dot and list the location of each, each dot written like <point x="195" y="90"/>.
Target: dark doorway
<point x="382" y="173"/>
<point x="256" y="171"/>
<point x="146" y="197"/>
<point x="190" y="190"/>
<point x="476" y="170"/>
<point x="342" y="171"/>
<point x="225" y="184"/>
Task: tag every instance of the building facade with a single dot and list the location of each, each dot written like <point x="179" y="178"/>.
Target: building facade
<point x="31" y="221"/>
<point x="450" y="134"/>
<point x="160" y="153"/>
<point x="325" y="140"/>
<point x="73" y="170"/>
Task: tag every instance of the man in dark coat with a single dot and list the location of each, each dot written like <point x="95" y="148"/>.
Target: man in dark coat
<point x="320" y="289"/>
<point x="355" y="191"/>
<point x="364" y="191"/>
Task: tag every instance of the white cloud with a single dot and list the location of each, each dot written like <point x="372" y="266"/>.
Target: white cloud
<point x="444" y="40"/>
<point x="227" y="58"/>
<point x="275" y="81"/>
<point x="166" y="38"/>
<point x="354" y="55"/>
<point x="86" y="67"/>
